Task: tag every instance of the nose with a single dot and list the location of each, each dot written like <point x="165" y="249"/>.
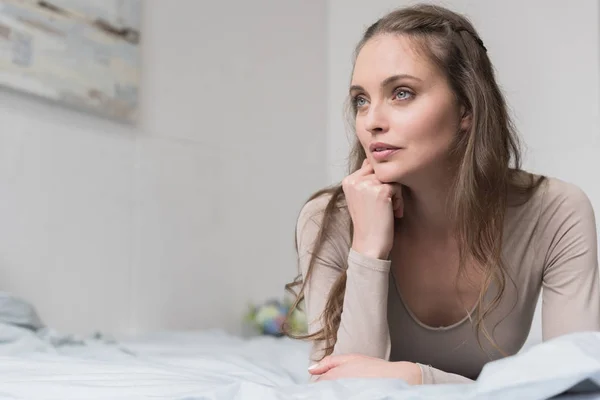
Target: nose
<point x="376" y="120"/>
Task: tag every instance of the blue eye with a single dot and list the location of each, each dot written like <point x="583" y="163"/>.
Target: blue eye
<point x="359" y="101"/>
<point x="402" y="95"/>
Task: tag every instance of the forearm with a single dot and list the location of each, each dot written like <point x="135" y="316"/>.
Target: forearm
<point x="434" y="376"/>
<point x="363" y="327"/>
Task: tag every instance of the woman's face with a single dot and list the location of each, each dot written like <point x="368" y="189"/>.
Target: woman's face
<point x="406" y="113"/>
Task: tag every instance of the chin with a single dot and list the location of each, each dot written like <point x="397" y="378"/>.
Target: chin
<point x="390" y="173"/>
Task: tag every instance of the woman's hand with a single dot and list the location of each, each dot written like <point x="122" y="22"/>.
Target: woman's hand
<point x="372" y="206"/>
<point x="359" y="366"/>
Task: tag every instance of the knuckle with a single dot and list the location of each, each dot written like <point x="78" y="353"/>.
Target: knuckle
<point x="384" y="192"/>
<point x="347" y="183"/>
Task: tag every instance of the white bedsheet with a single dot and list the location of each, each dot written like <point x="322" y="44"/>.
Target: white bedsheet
<point x="38" y="363"/>
<point x="214" y="365"/>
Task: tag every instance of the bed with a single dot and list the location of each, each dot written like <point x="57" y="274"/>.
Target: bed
<point x="37" y="362"/>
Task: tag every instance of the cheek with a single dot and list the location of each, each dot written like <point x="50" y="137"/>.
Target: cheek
<point x="363" y="136"/>
<point x="427" y="127"/>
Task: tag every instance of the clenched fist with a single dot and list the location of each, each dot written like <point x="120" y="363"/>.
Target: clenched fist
<point x="372" y="206"/>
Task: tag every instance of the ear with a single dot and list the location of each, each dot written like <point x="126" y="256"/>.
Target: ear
<point x="466" y="119"/>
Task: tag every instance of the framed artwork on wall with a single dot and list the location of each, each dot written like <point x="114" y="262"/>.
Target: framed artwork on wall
<point x="84" y="54"/>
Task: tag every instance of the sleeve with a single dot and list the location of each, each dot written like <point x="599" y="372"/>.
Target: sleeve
<point x="571" y="286"/>
<point x="571" y="289"/>
<point x="434" y="376"/>
<point x="363" y="327"/>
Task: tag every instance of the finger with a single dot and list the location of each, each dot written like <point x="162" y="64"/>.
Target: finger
<point x="398" y="209"/>
<point x="324" y="377"/>
<point x="330" y="375"/>
<point x="324" y="365"/>
<point x="367" y="181"/>
<point x="359" y="181"/>
<point x="320" y="368"/>
<point x="365" y="169"/>
<point x="328" y="363"/>
<point x="393" y="192"/>
<point x="371" y="177"/>
<point x="398" y="202"/>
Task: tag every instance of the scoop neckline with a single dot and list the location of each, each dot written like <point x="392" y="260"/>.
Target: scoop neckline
<point x="427" y="326"/>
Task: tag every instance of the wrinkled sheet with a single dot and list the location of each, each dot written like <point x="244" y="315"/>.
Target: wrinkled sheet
<point x="37" y="362"/>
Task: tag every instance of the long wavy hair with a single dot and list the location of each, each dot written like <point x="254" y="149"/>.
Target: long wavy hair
<point x="489" y="166"/>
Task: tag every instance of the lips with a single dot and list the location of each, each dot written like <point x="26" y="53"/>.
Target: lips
<point x="382" y="152"/>
<point x="380" y="147"/>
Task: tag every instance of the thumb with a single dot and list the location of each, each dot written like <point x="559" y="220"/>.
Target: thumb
<point x="326" y="364"/>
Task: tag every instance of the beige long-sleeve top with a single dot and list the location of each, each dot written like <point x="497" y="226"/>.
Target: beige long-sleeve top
<point x="549" y="244"/>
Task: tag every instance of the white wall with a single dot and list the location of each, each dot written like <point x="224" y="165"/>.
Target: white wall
<point x="180" y="222"/>
<point x="547" y="57"/>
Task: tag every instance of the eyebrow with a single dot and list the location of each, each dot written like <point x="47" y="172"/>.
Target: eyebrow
<point x="387" y="81"/>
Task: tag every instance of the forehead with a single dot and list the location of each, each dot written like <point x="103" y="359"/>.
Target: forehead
<point x="387" y="55"/>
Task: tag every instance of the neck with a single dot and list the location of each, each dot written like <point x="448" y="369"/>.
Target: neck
<point x="425" y="209"/>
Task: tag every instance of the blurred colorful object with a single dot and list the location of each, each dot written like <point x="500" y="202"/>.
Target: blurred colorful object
<point x="268" y="318"/>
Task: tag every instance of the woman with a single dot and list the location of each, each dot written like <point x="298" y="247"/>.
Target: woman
<point x="427" y="261"/>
